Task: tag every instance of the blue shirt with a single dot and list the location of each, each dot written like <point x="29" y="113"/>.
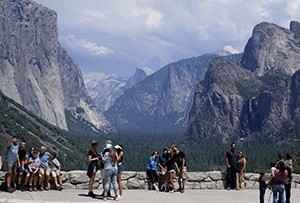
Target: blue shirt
<point x="36" y="162"/>
<point x="12" y="153"/>
<point x="109" y="162"/>
<point x="152" y="163"/>
<point x="45" y="159"/>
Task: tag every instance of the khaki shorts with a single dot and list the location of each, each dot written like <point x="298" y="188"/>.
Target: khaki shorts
<point x="12" y="168"/>
<point x="45" y="171"/>
<point x="183" y="175"/>
<point x="54" y="173"/>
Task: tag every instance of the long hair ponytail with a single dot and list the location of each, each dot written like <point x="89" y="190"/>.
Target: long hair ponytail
<point x="113" y="155"/>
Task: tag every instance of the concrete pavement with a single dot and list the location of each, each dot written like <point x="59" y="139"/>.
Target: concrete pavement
<point x="142" y="196"/>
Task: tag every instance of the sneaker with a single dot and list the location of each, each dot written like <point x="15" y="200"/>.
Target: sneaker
<point x="91" y="194"/>
<point x="34" y="188"/>
<point x="162" y="189"/>
<point x="104" y="198"/>
<point x="109" y="195"/>
<point x="116" y="198"/>
<point x="179" y="189"/>
<point x="182" y="190"/>
<point x="47" y="188"/>
<point x="171" y="191"/>
<point x="155" y="186"/>
<point x="9" y="190"/>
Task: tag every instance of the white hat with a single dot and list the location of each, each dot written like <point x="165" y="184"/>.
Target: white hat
<point x="118" y="147"/>
<point x="108" y="146"/>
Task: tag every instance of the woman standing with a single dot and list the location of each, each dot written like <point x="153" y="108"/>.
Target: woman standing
<point x="151" y="169"/>
<point x="241" y="166"/>
<point x="110" y="167"/>
<point x="120" y="154"/>
<point x="93" y="158"/>
<point x="277" y="180"/>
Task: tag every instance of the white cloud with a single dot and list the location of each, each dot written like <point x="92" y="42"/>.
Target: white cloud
<point x="154" y="19"/>
<point x="90" y="47"/>
<point x="153" y="33"/>
<point x="231" y="49"/>
<point x="90" y="16"/>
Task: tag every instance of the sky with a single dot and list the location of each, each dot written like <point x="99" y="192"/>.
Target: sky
<point x="117" y="36"/>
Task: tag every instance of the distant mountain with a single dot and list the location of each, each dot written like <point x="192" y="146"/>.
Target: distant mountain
<point x="37" y="72"/>
<point x="105" y="88"/>
<point x="161" y="102"/>
<point x="261" y="97"/>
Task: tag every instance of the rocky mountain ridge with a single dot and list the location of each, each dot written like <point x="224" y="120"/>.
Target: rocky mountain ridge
<point x="105" y="88"/>
<point x="161" y="102"/>
<point x="233" y="102"/>
<point x="35" y="69"/>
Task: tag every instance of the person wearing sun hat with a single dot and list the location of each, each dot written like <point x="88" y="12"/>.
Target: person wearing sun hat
<point x="108" y="144"/>
<point x="110" y="166"/>
<point x="120" y="154"/>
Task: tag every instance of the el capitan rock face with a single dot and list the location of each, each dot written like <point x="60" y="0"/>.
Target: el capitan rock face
<point x="35" y="70"/>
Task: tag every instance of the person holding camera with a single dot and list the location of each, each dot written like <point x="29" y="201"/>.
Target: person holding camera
<point x="56" y="171"/>
<point x="13" y="162"/>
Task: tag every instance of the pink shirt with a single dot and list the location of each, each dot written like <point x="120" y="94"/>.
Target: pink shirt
<point x="279" y="177"/>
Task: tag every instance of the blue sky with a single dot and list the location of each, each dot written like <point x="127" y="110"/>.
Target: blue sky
<point x="117" y="36"/>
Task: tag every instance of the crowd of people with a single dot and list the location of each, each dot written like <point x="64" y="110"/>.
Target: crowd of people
<point x="279" y="182"/>
<point x="172" y="162"/>
<point x="30" y="171"/>
<point x="110" y="163"/>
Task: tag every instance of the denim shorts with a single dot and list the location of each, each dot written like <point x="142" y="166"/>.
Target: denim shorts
<point x="120" y="168"/>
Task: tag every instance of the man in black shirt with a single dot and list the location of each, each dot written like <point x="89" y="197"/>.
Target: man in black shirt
<point x="180" y="166"/>
<point x="21" y="167"/>
<point x="231" y="163"/>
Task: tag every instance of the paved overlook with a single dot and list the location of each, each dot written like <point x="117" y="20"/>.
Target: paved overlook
<point x="143" y="196"/>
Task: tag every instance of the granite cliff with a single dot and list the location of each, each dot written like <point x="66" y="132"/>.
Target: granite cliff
<point x="258" y="96"/>
<point x="37" y="72"/>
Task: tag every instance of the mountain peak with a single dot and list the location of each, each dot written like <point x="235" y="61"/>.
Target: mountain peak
<point x="272" y="49"/>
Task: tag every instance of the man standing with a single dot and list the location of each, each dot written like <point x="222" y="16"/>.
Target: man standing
<point x="44" y="168"/>
<point x="21" y="168"/>
<point x="13" y="162"/>
<point x="231" y="163"/>
<point x="180" y="166"/>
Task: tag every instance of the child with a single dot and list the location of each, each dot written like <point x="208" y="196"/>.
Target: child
<point x="262" y="186"/>
<point x="34" y="173"/>
<point x="55" y="171"/>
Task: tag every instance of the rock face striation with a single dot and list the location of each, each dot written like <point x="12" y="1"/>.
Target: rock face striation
<point x="161" y="102"/>
<point x="36" y="71"/>
<point x="262" y="96"/>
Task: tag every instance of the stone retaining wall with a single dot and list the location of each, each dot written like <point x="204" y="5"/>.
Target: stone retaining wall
<point x="138" y="180"/>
